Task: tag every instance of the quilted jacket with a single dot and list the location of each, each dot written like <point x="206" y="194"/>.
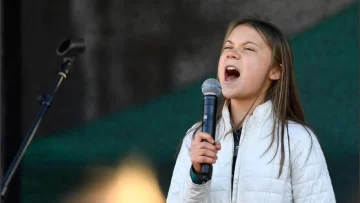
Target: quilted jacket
<point x="305" y="176"/>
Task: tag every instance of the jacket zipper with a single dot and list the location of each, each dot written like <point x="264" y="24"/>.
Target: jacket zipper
<point x="238" y="157"/>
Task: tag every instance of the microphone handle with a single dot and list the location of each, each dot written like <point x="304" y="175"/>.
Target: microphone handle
<point x="208" y="126"/>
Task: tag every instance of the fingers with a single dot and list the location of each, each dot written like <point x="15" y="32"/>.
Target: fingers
<point x="206" y="153"/>
<point x="202" y="160"/>
<point x="200" y="146"/>
<point x="203" y="150"/>
<point x="204" y="136"/>
<point x="217" y="145"/>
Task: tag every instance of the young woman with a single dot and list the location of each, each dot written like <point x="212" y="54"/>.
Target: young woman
<point x="264" y="151"/>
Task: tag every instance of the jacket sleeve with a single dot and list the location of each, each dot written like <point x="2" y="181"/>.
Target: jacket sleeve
<point x="182" y="189"/>
<point x="310" y="176"/>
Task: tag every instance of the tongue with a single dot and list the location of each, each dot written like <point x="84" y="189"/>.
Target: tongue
<point x="231" y="78"/>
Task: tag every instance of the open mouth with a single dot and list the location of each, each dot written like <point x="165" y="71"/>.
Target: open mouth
<point x="231" y="73"/>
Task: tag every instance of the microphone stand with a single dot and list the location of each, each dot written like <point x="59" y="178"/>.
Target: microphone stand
<point x="68" y="49"/>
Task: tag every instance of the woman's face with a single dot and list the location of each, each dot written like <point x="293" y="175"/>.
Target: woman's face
<point x="244" y="64"/>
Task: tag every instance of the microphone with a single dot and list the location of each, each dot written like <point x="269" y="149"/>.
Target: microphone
<point x="211" y="90"/>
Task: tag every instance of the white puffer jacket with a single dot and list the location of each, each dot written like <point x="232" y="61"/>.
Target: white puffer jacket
<point x="305" y="176"/>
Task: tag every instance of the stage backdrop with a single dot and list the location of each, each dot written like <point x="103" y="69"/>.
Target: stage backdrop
<point x="326" y="66"/>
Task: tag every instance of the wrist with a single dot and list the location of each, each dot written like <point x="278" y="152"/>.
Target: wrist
<point x="196" y="177"/>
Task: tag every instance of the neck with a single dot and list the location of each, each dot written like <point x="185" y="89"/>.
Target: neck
<point x="240" y="108"/>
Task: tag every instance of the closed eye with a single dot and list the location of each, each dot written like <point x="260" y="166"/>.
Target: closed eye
<point x="249" y="49"/>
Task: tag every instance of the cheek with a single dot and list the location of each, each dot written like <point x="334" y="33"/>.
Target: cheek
<point x="256" y="70"/>
<point x="220" y="67"/>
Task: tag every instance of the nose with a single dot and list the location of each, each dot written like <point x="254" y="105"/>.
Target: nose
<point x="232" y="54"/>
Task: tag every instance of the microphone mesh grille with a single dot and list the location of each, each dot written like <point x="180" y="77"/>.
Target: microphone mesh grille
<point x="211" y="87"/>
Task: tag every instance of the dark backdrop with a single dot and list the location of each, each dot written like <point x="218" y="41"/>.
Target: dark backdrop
<point x="136" y="52"/>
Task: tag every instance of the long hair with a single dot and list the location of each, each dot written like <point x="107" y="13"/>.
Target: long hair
<point x="283" y="92"/>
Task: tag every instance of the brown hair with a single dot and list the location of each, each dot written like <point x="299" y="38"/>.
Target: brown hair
<point x="282" y="92"/>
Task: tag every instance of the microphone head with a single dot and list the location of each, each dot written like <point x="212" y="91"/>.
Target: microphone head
<point x="211" y="87"/>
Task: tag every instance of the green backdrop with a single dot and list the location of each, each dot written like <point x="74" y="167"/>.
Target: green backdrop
<point x="326" y="66"/>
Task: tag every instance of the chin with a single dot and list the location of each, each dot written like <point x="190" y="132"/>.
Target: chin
<point x="230" y="94"/>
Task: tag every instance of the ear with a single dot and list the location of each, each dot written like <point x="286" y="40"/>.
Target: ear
<point x="275" y="73"/>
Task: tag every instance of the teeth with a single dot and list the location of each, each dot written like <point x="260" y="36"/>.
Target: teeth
<point x="230" y="68"/>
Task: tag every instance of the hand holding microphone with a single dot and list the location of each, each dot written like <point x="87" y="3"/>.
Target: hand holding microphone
<point x="203" y="149"/>
<point x="203" y="152"/>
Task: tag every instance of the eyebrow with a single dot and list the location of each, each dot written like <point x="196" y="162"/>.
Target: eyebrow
<point x="244" y="43"/>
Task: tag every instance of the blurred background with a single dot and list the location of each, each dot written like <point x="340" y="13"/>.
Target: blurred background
<point x="136" y="89"/>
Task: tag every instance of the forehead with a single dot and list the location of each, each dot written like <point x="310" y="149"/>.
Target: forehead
<point x="243" y="33"/>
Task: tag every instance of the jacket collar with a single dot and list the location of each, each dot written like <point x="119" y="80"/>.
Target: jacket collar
<point x="260" y="114"/>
